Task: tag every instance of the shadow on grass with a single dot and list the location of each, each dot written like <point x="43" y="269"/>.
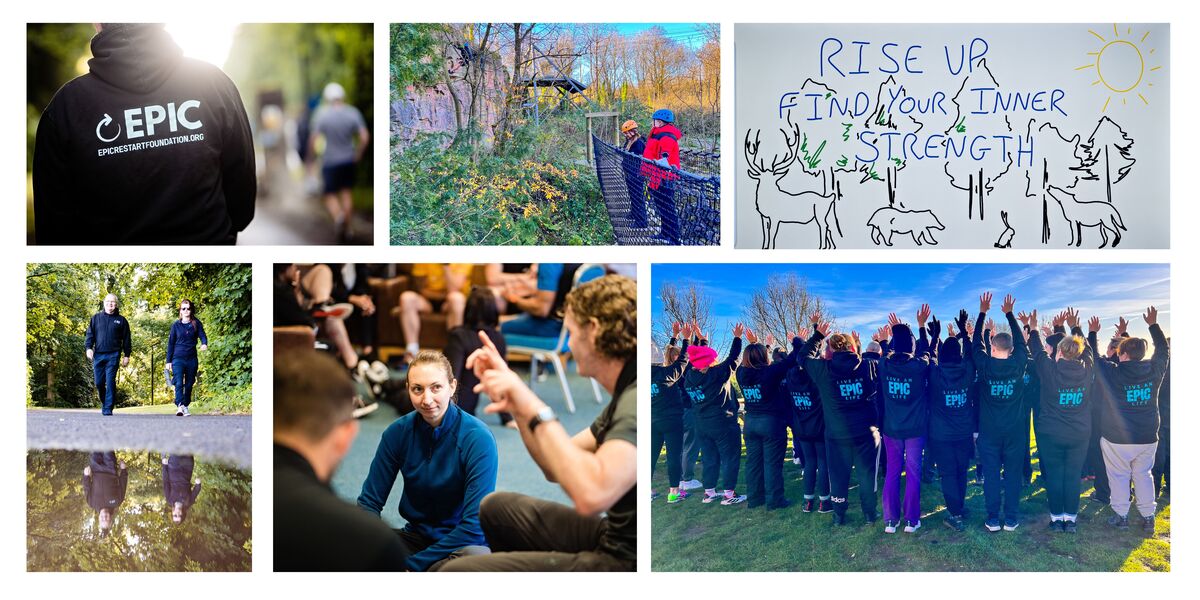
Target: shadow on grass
<point x="691" y="536"/>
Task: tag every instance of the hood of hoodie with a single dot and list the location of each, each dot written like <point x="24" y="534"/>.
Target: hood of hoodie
<point x="134" y="57"/>
<point x="1072" y="373"/>
<point x="844" y="364"/>
<point x="668" y="128"/>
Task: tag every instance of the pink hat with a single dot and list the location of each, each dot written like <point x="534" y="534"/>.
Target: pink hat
<point x="701" y="356"/>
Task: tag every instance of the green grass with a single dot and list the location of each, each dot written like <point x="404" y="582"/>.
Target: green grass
<point x="691" y="536"/>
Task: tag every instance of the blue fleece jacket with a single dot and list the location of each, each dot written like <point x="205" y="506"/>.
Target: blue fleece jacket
<point x="447" y="472"/>
<point x="181" y="343"/>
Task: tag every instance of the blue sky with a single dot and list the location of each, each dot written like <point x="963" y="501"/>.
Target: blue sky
<point x="861" y="295"/>
<point x="686" y="33"/>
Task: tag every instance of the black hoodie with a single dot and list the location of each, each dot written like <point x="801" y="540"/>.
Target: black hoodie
<point x="760" y="386"/>
<point x="1067" y="393"/>
<point x="666" y="401"/>
<point x="710" y="392"/>
<point x="1131" y="415"/>
<point x="147" y="148"/>
<point x="952" y="415"/>
<point x="903" y="401"/>
<point x="802" y="391"/>
<point x="847" y="385"/>
<point x="1002" y="385"/>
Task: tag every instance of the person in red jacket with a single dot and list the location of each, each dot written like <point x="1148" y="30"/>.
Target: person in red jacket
<point x="662" y="148"/>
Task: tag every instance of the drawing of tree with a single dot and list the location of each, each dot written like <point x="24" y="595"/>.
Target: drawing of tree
<point x="880" y="120"/>
<point x="1108" y="151"/>
<point x="972" y="176"/>
<point x="1060" y="166"/>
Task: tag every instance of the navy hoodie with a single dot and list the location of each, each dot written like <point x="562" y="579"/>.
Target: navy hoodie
<point x="666" y="401"/>
<point x="847" y="385"/>
<point x="1002" y="385"/>
<point x="710" y="392"/>
<point x="1131" y="415"/>
<point x="952" y="415"/>
<point x="809" y="418"/>
<point x="181" y="342"/>
<point x="108" y="333"/>
<point x="1066" y="395"/>
<point x="760" y="386"/>
<point x="903" y="400"/>
<point x="147" y="148"/>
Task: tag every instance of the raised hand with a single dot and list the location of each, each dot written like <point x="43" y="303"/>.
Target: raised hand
<point x="815" y="317"/>
<point x="970" y="328"/>
<point x="963" y="319"/>
<point x="824" y="328"/>
<point x="923" y="314"/>
<point x="880" y="334"/>
<point x="1047" y="331"/>
<point x="990" y="326"/>
<point x="770" y="340"/>
<point x="1094" y="324"/>
<point x="1023" y="317"/>
<point x="751" y="336"/>
<point x="1122" y="326"/>
<point x="950" y="330"/>
<point x="1072" y="317"/>
<point x="1033" y="320"/>
<point x="1008" y="304"/>
<point x="802" y="332"/>
<point x="893" y="320"/>
<point x="857" y="340"/>
<point x="985" y="302"/>
<point x="1151" y="316"/>
<point x="738" y="330"/>
<point x="1059" y="319"/>
<point x="676" y="327"/>
<point x="935" y="327"/>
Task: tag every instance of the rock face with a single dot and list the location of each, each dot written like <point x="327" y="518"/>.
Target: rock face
<point x="424" y="110"/>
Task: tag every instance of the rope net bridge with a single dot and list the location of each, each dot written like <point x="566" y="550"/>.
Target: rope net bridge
<point x="651" y="205"/>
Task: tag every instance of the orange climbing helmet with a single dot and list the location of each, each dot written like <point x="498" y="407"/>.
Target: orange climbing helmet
<point x="629" y="125"/>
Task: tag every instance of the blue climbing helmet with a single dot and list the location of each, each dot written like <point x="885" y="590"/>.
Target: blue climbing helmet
<point x="665" y="115"/>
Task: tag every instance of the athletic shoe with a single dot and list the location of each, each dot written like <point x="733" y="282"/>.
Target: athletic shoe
<point x="1011" y="524"/>
<point x="332" y="310"/>
<point x="731" y="500"/>
<point x="693" y="484"/>
<point x="890" y="526"/>
<point x="912" y="527"/>
<point x="709" y="497"/>
<point x="955" y="523"/>
<point x="653" y="495"/>
<point x="677" y="497"/>
<point x="1069" y="527"/>
<point x="186" y="412"/>
<point x="377" y="372"/>
<point x="809" y="505"/>
<point x="1119" y="521"/>
<point x="179" y="410"/>
<point x="1148" y="524"/>
<point x="871" y="517"/>
<point x="825" y="507"/>
<point x="839" y="520"/>
<point x="992" y="524"/>
<point x="1056" y="526"/>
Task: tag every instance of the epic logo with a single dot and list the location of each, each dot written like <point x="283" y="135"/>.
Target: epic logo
<point x="901" y="388"/>
<point x="956" y="400"/>
<point x="697" y="396"/>
<point x="1138" y="395"/>
<point x="141" y="122"/>
<point x="1070" y="398"/>
<point x="802" y="401"/>
<point x="851" y="389"/>
<point x="752" y="393"/>
<point x="1002" y="389"/>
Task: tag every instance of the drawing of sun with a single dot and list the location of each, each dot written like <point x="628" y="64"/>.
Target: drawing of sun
<point x="1121" y="64"/>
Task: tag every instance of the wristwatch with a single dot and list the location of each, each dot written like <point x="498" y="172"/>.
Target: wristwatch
<point x="544" y="415"/>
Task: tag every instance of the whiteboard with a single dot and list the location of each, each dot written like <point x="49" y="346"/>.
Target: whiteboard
<point x="952" y="135"/>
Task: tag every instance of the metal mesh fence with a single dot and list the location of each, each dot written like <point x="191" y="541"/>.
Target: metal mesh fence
<point x="652" y="205"/>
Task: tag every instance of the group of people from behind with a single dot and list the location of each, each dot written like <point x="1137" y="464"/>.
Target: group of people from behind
<point x="914" y="396"/>
<point x="448" y="460"/>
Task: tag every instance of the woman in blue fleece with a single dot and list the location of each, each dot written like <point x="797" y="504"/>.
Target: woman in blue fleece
<point x="448" y="460"/>
<point x="182" y="361"/>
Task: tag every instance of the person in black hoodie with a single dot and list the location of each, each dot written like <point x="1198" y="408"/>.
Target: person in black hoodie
<point x="148" y="147"/>
<point x="708" y="388"/>
<point x="106" y="339"/>
<point x="666" y="412"/>
<point x="1129" y="429"/>
<point x="1001" y="426"/>
<point x="765" y="433"/>
<point x="952" y="418"/>
<point x="179" y="490"/>
<point x="847" y="385"/>
<point x="904" y="407"/>
<point x="1064" y="421"/>
<point x="808" y="432"/>
<point x="1095" y="458"/>
<point x="105" y="481"/>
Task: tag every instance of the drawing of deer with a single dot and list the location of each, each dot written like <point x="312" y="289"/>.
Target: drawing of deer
<point x="1080" y="214"/>
<point x="776" y="206"/>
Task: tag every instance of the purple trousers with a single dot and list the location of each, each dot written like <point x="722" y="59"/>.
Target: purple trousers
<point x="908" y="451"/>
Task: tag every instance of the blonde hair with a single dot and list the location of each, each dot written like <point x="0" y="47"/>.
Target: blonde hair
<point x="612" y="301"/>
<point x="1071" y="347"/>
<point x="840" y="342"/>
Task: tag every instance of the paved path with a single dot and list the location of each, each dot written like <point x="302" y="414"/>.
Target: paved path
<point x="225" y="438"/>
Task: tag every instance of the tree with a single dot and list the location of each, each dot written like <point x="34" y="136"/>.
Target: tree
<point x="974" y="176"/>
<point x="782" y="306"/>
<point x="688" y="302"/>
<point x="1108" y="151"/>
<point x="1059" y="167"/>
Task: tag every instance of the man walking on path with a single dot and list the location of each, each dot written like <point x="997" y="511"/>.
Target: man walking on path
<point x="338" y="123"/>
<point x="106" y="339"/>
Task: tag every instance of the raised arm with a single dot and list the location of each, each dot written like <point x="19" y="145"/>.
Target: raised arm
<point x="1020" y="348"/>
<point x="1162" y="349"/>
<point x="735" y="348"/>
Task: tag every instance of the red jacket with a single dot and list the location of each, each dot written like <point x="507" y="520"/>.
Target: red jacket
<point x="662" y="140"/>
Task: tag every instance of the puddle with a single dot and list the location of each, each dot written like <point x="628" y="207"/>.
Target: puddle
<point x="147" y="516"/>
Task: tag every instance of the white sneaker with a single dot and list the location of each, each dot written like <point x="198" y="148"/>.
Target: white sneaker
<point x="912" y="527"/>
<point x="694" y="484"/>
<point x="185" y="411"/>
<point x="179" y="410"/>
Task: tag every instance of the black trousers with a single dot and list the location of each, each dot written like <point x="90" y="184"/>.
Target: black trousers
<point x="842" y="457"/>
<point x="721" y="452"/>
<point x="1007" y="452"/>
<point x="415" y="543"/>
<point x="816" y="468"/>
<point x="528" y="534"/>
<point x="691" y="445"/>
<point x="1162" y="461"/>
<point x="1061" y="461"/>
<point x="766" y="440"/>
<point x="670" y="432"/>
<point x="1095" y="461"/>
<point x="953" y="459"/>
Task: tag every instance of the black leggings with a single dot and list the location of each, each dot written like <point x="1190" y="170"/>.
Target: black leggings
<point x="669" y="431"/>
<point x="766" y="440"/>
<point x="720" y="452"/>
<point x="816" y="469"/>
<point x="953" y="459"/>
<point x="1061" y="461"/>
<point x="842" y="456"/>
<point x="1007" y="452"/>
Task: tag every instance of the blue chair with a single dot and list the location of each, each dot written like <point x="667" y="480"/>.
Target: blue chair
<point x="554" y="349"/>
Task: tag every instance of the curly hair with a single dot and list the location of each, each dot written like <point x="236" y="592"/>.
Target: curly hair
<point x="612" y="301"/>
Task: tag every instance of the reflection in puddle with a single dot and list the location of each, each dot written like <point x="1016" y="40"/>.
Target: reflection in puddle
<point x="135" y="511"/>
